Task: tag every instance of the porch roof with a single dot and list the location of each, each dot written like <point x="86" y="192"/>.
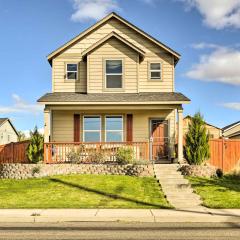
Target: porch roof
<point x="111" y="98"/>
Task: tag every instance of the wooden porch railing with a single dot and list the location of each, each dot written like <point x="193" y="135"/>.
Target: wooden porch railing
<point x="59" y="152"/>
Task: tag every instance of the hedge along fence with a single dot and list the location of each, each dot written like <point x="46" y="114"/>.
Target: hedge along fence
<point x="14" y="152"/>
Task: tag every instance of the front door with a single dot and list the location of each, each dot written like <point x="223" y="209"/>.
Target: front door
<point x="159" y="139"/>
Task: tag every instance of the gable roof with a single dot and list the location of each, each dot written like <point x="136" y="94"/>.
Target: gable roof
<point x="231" y="125"/>
<point x="113" y="35"/>
<point x="3" y="120"/>
<point x="188" y="116"/>
<point x="124" y="21"/>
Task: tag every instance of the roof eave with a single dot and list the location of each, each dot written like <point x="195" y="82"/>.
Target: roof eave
<point x="114" y="103"/>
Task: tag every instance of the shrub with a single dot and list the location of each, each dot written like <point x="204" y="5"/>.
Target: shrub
<point x="197" y="148"/>
<point x="35" y="148"/>
<point x="124" y="155"/>
<point x="98" y="157"/>
<point x="75" y="155"/>
<point x="219" y="173"/>
<point x="36" y="170"/>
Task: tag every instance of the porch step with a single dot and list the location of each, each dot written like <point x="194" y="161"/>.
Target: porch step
<point x="176" y="188"/>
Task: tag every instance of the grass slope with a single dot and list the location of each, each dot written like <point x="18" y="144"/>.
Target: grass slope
<point x="218" y="192"/>
<point x="82" y="191"/>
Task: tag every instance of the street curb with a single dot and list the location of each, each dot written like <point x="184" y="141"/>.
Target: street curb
<point x="114" y="215"/>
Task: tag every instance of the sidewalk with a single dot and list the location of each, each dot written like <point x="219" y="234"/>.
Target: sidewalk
<point x="129" y="215"/>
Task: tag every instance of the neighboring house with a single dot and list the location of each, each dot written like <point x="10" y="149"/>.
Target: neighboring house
<point x="232" y="131"/>
<point x="214" y="132"/>
<point x="114" y="83"/>
<point x="8" y="133"/>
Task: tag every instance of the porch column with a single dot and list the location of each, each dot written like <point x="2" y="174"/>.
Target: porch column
<point x="47" y="126"/>
<point x="180" y="135"/>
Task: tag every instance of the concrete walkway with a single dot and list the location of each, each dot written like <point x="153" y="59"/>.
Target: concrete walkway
<point x="129" y="215"/>
<point x="176" y="188"/>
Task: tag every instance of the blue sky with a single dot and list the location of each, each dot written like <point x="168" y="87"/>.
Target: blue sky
<point x="205" y="33"/>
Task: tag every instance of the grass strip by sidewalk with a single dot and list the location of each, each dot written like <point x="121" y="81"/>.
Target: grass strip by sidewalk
<point x="218" y="192"/>
<point x="82" y="191"/>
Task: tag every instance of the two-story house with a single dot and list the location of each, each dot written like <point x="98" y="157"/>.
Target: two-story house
<point x="114" y="83"/>
<point x="8" y="132"/>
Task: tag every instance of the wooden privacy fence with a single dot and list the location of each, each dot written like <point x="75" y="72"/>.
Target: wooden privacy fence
<point x="225" y="153"/>
<point x="56" y="152"/>
<point x="14" y="152"/>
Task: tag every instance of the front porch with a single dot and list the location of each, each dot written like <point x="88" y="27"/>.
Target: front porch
<point x="149" y="132"/>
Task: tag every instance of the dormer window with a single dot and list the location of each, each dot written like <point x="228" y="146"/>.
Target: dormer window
<point x="114" y="73"/>
<point x="72" y="71"/>
<point x="155" y="71"/>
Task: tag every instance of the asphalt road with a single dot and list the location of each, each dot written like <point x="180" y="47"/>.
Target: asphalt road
<point x="108" y="230"/>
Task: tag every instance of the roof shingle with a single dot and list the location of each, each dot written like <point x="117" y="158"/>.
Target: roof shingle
<point x="114" y="97"/>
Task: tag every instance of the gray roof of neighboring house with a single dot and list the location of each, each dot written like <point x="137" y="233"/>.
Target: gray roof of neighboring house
<point x="2" y="120"/>
<point x="114" y="97"/>
<point x="230" y="125"/>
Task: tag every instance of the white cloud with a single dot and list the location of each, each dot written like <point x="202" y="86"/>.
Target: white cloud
<point x="232" y="105"/>
<point x="20" y="106"/>
<point x="217" y="14"/>
<point x="203" y="45"/>
<point x="92" y="9"/>
<point x="221" y="65"/>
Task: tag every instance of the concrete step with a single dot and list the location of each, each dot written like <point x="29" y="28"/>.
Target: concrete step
<point x="178" y="191"/>
<point x="167" y="167"/>
<point x="184" y="206"/>
<point x="169" y="176"/>
<point x="173" y="181"/>
<point x="184" y="198"/>
<point x="184" y="201"/>
<point x="176" y="186"/>
<point x="163" y="173"/>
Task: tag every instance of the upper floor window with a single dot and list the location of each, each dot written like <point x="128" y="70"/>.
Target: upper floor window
<point x="72" y="71"/>
<point x="155" y="71"/>
<point x="114" y="73"/>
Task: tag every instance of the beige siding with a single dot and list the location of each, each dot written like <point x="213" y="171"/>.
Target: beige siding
<point x="232" y="131"/>
<point x="60" y="83"/>
<point x="153" y="53"/>
<point x="7" y="134"/>
<point x="62" y="122"/>
<point x="113" y="49"/>
<point x="213" y="131"/>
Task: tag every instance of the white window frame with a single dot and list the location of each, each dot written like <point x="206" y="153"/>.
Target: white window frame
<point x="71" y="72"/>
<point x="150" y="71"/>
<point x="112" y="74"/>
<point x="105" y="124"/>
<point x="100" y="130"/>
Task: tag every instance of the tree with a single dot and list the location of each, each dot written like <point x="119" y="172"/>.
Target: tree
<point x="21" y="136"/>
<point x="197" y="141"/>
<point x="35" y="148"/>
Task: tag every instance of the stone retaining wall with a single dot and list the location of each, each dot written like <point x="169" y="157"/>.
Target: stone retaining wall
<point x="198" y="170"/>
<point x="23" y="171"/>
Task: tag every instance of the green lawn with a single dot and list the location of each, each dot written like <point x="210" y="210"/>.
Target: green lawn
<point x="82" y="191"/>
<point x="218" y="192"/>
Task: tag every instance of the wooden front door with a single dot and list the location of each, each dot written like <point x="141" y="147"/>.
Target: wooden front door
<point x="159" y="139"/>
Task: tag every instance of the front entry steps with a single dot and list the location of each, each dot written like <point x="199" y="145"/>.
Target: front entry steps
<point x="176" y="188"/>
